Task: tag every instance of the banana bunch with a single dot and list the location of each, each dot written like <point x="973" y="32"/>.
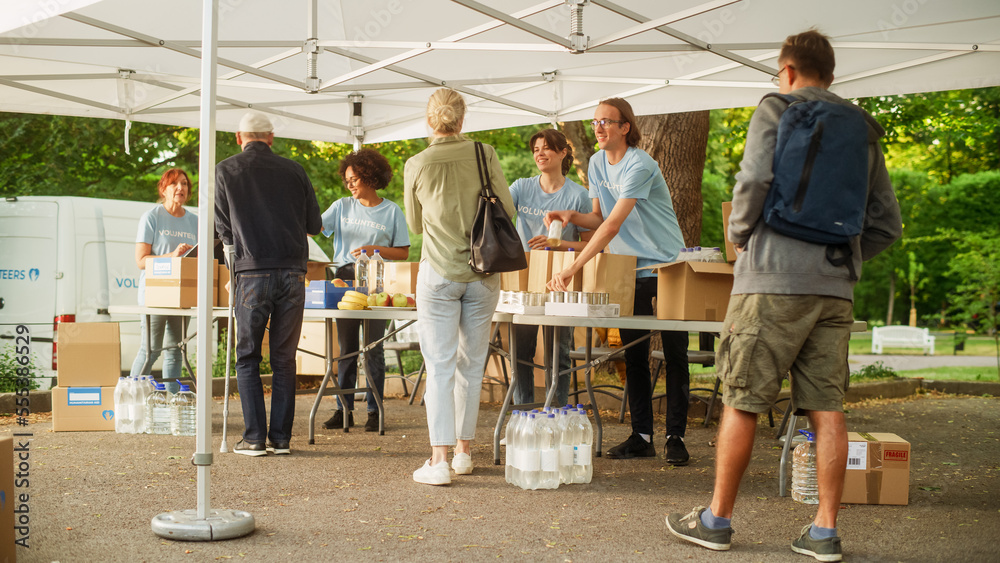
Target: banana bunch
<point x="353" y="300"/>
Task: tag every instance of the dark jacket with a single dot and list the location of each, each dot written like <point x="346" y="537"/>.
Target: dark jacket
<point x="265" y="206"/>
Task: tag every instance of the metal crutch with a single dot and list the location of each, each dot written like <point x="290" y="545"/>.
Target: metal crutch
<point x="230" y="255"/>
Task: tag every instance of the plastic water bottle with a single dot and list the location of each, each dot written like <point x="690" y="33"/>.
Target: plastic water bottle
<point x="569" y="437"/>
<point x="361" y="271"/>
<point x="122" y="409"/>
<point x="683" y="255"/>
<point x="510" y="466"/>
<point x="376" y="273"/>
<point x="583" y="458"/>
<point x="143" y="388"/>
<point x="183" y="413"/>
<point x="714" y="254"/>
<point x="158" y="411"/>
<point x="529" y="455"/>
<point x="548" y="449"/>
<point x="804" y="485"/>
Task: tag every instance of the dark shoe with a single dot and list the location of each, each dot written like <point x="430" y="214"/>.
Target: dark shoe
<point x="635" y="446"/>
<point x="250" y="448"/>
<point x="372" y="424"/>
<point x="337" y="420"/>
<point x="677" y="453"/>
<point x="689" y="528"/>
<point x="278" y="448"/>
<point x="827" y="549"/>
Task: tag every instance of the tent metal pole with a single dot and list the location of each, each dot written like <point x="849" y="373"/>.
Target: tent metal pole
<point x="205" y="524"/>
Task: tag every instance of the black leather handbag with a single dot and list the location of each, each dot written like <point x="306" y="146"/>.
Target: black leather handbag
<point x="495" y="244"/>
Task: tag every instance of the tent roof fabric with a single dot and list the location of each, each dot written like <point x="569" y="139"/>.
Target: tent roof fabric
<point x="517" y="64"/>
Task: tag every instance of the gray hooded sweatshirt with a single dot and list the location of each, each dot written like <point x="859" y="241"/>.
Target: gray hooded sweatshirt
<point x="777" y="264"/>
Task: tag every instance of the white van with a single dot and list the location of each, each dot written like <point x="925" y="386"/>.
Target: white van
<point x="67" y="259"/>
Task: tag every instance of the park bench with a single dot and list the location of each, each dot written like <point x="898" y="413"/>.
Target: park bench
<point x="902" y="337"/>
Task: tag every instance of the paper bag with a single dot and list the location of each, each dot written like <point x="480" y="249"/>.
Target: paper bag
<point x="563" y="260"/>
<point x="613" y="274"/>
<point x="540" y="269"/>
<point x="517" y="280"/>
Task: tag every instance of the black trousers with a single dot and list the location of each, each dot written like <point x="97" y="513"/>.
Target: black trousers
<point x="640" y="387"/>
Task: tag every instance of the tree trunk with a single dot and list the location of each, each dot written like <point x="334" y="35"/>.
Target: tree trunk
<point x="677" y="141"/>
<point x="582" y="139"/>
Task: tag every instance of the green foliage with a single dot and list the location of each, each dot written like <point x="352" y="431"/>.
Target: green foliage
<point x="874" y="371"/>
<point x="8" y="372"/>
<point x="944" y="134"/>
<point x="975" y="267"/>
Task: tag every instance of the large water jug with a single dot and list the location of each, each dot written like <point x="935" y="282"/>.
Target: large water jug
<point x="184" y="413"/>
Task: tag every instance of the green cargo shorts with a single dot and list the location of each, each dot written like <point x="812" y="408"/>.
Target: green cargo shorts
<point x="766" y="336"/>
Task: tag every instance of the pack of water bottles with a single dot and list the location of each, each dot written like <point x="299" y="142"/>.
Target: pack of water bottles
<point x="548" y="448"/>
<point x="143" y="406"/>
<point x="699" y="254"/>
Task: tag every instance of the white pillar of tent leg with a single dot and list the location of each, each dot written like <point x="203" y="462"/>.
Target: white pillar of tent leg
<point x="205" y="523"/>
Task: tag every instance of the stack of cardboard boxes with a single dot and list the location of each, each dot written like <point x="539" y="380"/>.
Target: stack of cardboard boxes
<point x="89" y="356"/>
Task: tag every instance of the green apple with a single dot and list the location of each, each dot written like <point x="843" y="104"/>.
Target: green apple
<point x="399" y="300"/>
<point x="372" y="300"/>
<point x="383" y="300"/>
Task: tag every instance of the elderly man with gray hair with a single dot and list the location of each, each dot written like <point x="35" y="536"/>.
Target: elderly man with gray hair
<point x="265" y="207"/>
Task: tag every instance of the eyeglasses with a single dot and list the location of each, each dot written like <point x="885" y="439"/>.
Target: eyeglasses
<point x="776" y="79"/>
<point x="605" y="122"/>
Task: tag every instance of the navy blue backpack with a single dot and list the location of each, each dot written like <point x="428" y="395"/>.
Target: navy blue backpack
<point x="820" y="187"/>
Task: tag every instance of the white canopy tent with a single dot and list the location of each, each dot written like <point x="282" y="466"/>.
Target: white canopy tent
<point x="517" y="61"/>
<point x="362" y="71"/>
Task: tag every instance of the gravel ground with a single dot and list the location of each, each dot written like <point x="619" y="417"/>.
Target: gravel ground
<point x="351" y="496"/>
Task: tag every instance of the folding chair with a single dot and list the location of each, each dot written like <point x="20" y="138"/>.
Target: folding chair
<point x="398" y="347"/>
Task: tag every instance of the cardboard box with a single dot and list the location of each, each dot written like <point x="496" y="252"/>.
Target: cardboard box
<point x="311" y="340"/>
<point x="11" y="497"/>
<point x="540" y="269"/>
<point x="563" y="260"/>
<point x="727" y="209"/>
<point x="401" y="277"/>
<point x="78" y="409"/>
<point x="321" y="294"/>
<point x="89" y="354"/>
<point x="878" y="469"/>
<point x="692" y="291"/>
<point x="318" y="271"/>
<point x="173" y="282"/>
<point x="222" y="275"/>
<point x="613" y="274"/>
<point x="515" y="281"/>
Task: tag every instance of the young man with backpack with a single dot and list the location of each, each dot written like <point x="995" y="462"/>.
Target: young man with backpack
<point x="807" y="173"/>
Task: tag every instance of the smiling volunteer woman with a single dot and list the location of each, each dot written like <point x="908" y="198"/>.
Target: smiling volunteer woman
<point x="367" y="222"/>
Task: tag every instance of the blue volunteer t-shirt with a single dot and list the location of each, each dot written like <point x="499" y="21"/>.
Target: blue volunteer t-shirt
<point x="356" y="225"/>
<point x="533" y="203"/>
<point x="163" y="232"/>
<point x="650" y="232"/>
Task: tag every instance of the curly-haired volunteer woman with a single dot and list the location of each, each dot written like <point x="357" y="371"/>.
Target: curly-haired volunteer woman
<point x="367" y="222"/>
<point x="454" y="303"/>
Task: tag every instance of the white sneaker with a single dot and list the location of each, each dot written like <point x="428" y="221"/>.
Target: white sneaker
<point x="462" y="464"/>
<point x="433" y="474"/>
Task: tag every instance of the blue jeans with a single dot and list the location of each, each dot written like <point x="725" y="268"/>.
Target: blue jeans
<point x="277" y="295"/>
<point x="166" y="333"/>
<point x="347" y="370"/>
<point x="638" y="377"/>
<point x="454" y="340"/>
<point x="527" y="338"/>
